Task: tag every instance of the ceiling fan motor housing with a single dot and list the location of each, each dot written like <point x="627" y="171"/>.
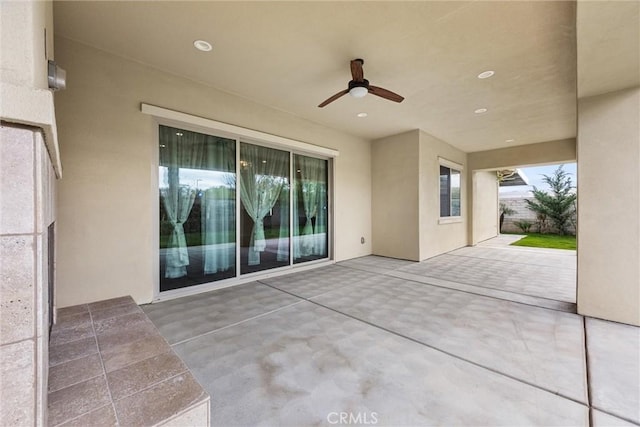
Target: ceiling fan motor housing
<point x="363" y="83"/>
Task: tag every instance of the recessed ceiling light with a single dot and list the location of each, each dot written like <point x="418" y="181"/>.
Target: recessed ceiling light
<point x="362" y="114"/>
<point x="202" y="45"/>
<point x="179" y="133"/>
<point x="481" y="110"/>
<point x="509" y="140"/>
<point x="486" y="74"/>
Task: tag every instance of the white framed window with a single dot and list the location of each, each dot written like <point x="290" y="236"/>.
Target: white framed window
<point x="450" y="186"/>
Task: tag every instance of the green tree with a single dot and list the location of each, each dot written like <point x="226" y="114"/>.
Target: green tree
<point x="558" y="205"/>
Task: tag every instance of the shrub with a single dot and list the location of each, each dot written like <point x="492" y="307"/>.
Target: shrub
<point x="523" y="225"/>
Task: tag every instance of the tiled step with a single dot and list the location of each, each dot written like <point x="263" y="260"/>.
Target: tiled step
<point x="109" y="365"/>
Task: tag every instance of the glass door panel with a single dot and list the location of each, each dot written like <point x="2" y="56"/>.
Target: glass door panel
<point x="197" y="184"/>
<point x="264" y="216"/>
<point x="310" y="209"/>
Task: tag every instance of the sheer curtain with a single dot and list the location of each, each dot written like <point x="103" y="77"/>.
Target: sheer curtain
<point x="283" y="238"/>
<point x="181" y="150"/>
<point x="320" y="232"/>
<point x="219" y="209"/>
<point x="311" y="175"/>
<point x="218" y="229"/>
<point x="263" y="174"/>
<point x="311" y="184"/>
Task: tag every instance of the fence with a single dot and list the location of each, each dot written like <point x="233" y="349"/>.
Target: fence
<point x="523" y="213"/>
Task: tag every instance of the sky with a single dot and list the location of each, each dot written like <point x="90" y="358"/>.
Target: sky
<point x="535" y="177"/>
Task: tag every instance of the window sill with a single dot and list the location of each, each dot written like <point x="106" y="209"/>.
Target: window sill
<point x="450" y="220"/>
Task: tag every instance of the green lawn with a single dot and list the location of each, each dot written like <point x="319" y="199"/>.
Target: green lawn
<point x="552" y="241"/>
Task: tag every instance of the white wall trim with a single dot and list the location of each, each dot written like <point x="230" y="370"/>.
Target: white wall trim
<point x="449" y="219"/>
<point x="450" y="164"/>
<point x="165" y="113"/>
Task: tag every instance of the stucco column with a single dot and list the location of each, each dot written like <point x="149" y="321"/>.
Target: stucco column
<point x="609" y="206"/>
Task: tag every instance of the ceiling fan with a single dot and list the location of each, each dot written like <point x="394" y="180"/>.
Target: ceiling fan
<point x="359" y="86"/>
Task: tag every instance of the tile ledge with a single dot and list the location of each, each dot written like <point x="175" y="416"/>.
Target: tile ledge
<point x="190" y="410"/>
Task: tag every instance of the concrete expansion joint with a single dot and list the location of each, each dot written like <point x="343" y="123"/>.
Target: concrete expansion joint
<point x="33" y="338"/>
<point x="495" y="371"/>
<point x="234" y="324"/>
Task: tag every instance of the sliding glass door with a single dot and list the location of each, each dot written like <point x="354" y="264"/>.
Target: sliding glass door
<point x="197" y="183"/>
<point x="310" y="209"/>
<point x="264" y="218"/>
<point x="229" y="208"/>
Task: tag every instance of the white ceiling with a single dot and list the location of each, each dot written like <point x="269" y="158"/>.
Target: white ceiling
<point x="293" y="55"/>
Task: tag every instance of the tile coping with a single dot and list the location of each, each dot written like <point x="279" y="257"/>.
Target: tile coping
<point x="107" y="359"/>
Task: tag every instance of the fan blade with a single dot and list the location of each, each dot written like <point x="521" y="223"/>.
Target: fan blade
<point x="356" y="70"/>
<point x="386" y="94"/>
<point x="334" y="97"/>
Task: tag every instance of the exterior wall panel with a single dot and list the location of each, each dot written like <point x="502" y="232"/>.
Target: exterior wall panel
<point x="109" y="197"/>
<point x="609" y="206"/>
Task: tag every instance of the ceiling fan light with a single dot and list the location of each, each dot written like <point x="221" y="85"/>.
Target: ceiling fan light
<point x="358" y="91"/>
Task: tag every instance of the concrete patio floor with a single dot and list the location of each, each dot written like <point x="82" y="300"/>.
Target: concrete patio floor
<point x="479" y="336"/>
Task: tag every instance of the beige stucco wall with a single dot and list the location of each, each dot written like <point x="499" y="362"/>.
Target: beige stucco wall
<point x="436" y="238"/>
<point x="395" y="200"/>
<point x="543" y="153"/>
<point x="24" y="49"/>
<point x="609" y="206"/>
<point x="108" y="198"/>
<point x="406" y="197"/>
<point x="485" y="201"/>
